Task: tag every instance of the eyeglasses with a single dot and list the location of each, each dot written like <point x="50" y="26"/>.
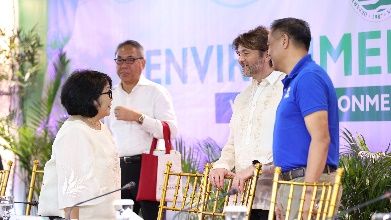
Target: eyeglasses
<point x="110" y="93"/>
<point x="129" y="60"/>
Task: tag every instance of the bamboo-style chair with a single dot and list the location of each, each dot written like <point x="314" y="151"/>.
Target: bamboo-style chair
<point x="194" y="194"/>
<point x="4" y="175"/>
<point x="324" y="197"/>
<point x="30" y="202"/>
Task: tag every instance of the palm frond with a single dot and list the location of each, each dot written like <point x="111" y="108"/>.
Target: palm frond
<point x="211" y="151"/>
<point x="61" y="69"/>
<point x="365" y="178"/>
<point x="190" y="157"/>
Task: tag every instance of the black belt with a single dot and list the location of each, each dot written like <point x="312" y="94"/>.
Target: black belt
<point x="300" y="172"/>
<point x="131" y="159"/>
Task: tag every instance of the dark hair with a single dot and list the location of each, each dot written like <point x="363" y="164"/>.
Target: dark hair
<point x="297" y="29"/>
<point x="132" y="43"/>
<point x="80" y="91"/>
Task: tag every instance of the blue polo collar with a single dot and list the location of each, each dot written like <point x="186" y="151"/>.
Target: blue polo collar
<point x="296" y="70"/>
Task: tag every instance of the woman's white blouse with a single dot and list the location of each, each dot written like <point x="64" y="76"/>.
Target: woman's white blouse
<point x="85" y="164"/>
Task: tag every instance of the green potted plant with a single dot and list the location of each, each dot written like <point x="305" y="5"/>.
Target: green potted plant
<point x="28" y="130"/>
<point x="367" y="176"/>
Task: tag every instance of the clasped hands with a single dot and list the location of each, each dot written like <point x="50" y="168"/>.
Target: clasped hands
<point x="126" y="114"/>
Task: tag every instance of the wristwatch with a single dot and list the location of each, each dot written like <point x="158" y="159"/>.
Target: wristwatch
<point x="141" y="119"/>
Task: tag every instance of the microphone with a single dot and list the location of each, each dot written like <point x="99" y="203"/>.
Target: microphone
<point x="129" y="185"/>
<point x="386" y="195"/>
<point x="229" y="193"/>
<point x="33" y="203"/>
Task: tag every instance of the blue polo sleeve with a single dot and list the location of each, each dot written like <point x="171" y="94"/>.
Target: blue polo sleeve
<point x="311" y="93"/>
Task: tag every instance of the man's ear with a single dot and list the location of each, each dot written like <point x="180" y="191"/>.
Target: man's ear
<point x="268" y="59"/>
<point x="285" y="40"/>
<point x="143" y="63"/>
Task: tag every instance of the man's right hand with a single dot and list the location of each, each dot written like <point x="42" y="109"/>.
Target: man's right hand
<point x="126" y="114"/>
<point x="217" y="175"/>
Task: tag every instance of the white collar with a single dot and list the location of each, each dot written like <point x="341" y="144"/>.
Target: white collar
<point x="272" y="78"/>
<point x="141" y="82"/>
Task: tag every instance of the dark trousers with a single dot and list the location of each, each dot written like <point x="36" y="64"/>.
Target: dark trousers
<point x="259" y="214"/>
<point x="130" y="171"/>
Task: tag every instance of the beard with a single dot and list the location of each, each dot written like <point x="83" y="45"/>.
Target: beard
<point x="251" y="70"/>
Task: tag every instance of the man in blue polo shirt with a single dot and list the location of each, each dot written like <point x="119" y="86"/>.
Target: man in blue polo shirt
<point x="306" y="132"/>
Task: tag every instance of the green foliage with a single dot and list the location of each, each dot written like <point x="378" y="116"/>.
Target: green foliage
<point x="30" y="137"/>
<point x="20" y="53"/>
<point x="35" y="136"/>
<point x="367" y="176"/>
<point x="190" y="158"/>
<point x="196" y="155"/>
<point x="25" y="143"/>
<point x="19" y="58"/>
<point x="210" y="149"/>
<point x="40" y="110"/>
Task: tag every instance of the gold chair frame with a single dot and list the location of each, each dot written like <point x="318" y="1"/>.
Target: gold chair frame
<point x="198" y="196"/>
<point x="330" y="193"/>
<point x="4" y="176"/>
<point x="30" y="195"/>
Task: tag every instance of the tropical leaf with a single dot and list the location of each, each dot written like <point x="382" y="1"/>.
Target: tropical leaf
<point x="61" y="69"/>
<point x="190" y="158"/>
<point x="31" y="138"/>
<point x="197" y="153"/>
<point x="211" y="151"/>
<point x="365" y="177"/>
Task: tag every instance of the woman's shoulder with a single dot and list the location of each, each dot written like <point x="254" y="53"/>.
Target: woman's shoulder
<point x="72" y="129"/>
<point x="72" y="126"/>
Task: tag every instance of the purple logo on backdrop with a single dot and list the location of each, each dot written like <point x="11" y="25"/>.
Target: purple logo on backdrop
<point x="223" y="106"/>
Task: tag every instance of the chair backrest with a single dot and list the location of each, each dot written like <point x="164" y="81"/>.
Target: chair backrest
<point x="323" y="202"/>
<point x="30" y="194"/>
<point x="4" y="175"/>
<point x="194" y="194"/>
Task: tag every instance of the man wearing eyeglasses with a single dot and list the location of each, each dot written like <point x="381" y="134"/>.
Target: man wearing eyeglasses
<point x="139" y="107"/>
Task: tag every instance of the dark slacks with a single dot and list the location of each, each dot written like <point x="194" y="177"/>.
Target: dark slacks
<point x="130" y="171"/>
<point x="259" y="214"/>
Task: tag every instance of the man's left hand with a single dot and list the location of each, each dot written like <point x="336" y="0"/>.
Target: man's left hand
<point x="307" y="204"/>
<point x="241" y="177"/>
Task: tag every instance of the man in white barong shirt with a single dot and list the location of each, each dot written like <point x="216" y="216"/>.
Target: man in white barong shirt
<point x="251" y="126"/>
